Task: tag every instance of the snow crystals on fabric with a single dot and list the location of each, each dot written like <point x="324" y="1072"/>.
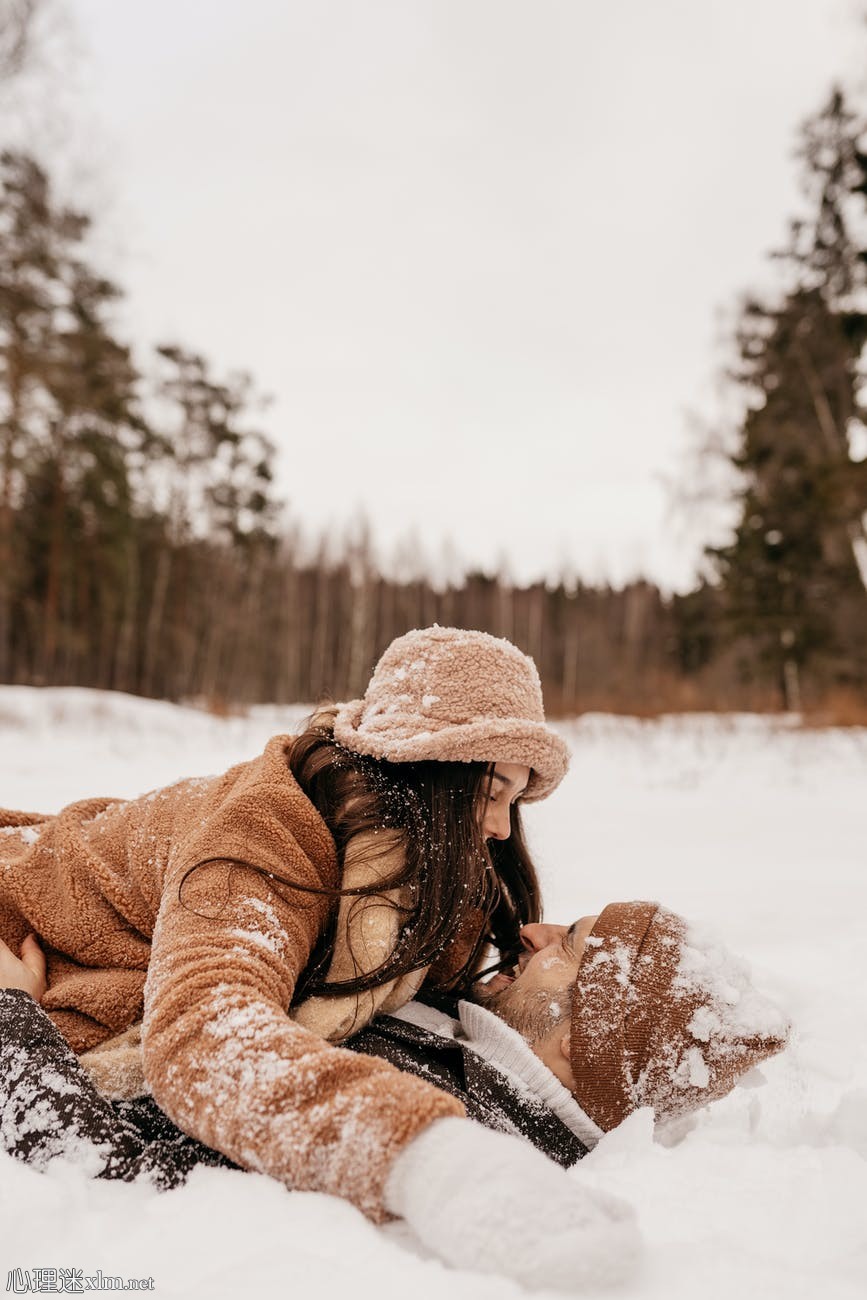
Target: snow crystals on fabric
<point x="664" y="1016"/>
<point x="30" y="1121"/>
<point x="733" y="1005"/>
<point x="28" y="834"/>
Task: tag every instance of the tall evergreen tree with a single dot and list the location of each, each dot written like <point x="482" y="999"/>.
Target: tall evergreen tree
<point x="217" y="477"/>
<point x="792" y="576"/>
<point x="34" y="234"/>
<point x="96" y="434"/>
<point x="220" y="471"/>
<point x="69" y="419"/>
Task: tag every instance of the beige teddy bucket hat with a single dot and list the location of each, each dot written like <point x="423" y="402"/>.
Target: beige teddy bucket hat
<point x="455" y="695"/>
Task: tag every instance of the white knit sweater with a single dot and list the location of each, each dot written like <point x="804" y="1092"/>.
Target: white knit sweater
<point x="505" y="1049"/>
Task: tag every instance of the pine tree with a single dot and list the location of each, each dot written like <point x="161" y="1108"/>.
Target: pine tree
<point x="33" y="236"/>
<point x="96" y="435"/>
<point x="219" y="476"/>
<point x="70" y="427"/>
<point x="792" y="582"/>
<point x="220" y="470"/>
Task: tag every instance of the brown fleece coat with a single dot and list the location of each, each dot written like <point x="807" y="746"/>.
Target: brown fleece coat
<point x="213" y="972"/>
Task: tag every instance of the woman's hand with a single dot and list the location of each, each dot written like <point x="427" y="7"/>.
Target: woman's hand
<point x="28" y="972"/>
<point x="491" y="1203"/>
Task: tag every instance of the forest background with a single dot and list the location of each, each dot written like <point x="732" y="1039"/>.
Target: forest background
<point x="144" y="546"/>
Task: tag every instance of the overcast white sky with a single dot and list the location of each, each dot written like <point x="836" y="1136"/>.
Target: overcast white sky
<point x="475" y="249"/>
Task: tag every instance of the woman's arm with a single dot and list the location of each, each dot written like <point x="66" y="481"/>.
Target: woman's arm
<point x="227" y="1064"/>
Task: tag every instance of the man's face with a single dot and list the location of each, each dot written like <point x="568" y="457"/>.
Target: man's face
<point x="534" y="996"/>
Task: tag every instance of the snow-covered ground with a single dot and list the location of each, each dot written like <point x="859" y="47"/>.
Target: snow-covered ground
<point x="751" y="825"/>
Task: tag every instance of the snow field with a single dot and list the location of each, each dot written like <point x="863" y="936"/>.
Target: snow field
<point x="746" y="824"/>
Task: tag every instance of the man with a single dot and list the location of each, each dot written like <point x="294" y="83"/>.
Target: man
<point x="630" y="1008"/>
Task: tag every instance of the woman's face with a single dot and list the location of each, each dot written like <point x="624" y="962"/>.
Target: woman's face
<point x="508" y="783"/>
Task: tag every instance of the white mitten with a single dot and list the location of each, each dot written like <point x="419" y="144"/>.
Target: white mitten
<point x="492" y="1203"/>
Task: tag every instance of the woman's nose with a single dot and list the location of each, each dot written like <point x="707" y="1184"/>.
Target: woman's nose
<point x="498" y="824"/>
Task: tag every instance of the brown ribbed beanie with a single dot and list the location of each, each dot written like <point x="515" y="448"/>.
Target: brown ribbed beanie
<point x="459" y="696"/>
<point x="662" y="1016"/>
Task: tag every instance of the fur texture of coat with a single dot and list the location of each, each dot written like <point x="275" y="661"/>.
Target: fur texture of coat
<point x="207" y="960"/>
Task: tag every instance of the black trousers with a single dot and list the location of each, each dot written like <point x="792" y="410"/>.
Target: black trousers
<point x="49" y="1107"/>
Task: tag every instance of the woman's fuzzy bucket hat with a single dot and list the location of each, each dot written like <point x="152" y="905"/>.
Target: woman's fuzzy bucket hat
<point x="460" y="696"/>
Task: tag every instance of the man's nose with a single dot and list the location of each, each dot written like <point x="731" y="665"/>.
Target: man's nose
<point x="537" y="936"/>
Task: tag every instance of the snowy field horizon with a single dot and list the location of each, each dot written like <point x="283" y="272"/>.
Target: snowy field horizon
<point x="744" y="823"/>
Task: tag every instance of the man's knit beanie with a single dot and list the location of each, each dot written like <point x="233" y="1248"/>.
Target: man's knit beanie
<point x="662" y="1016"/>
<point x="460" y="696"/>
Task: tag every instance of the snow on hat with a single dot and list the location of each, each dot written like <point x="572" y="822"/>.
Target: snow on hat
<point x="457" y="696"/>
<point x="662" y="1016"/>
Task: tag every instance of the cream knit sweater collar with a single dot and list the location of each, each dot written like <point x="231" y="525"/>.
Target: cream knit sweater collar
<point x="505" y="1049"/>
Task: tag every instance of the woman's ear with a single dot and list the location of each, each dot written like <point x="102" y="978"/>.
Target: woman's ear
<point x="564" y="1046"/>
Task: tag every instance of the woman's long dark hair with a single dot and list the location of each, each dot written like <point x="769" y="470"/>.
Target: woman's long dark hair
<point x="448" y="868"/>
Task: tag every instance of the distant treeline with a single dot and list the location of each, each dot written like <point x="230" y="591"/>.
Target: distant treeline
<point x="142" y="545"/>
<point x="230" y="626"/>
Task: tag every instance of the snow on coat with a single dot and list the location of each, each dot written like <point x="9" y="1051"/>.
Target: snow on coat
<point x="210" y="963"/>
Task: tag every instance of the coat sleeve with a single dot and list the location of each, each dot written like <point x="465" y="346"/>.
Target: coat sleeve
<point x="230" y="1068"/>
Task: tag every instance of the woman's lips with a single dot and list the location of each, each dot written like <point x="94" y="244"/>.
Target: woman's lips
<point x="499" y="981"/>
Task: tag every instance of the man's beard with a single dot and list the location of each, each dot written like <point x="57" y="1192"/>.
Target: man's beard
<point x="532" y="1014"/>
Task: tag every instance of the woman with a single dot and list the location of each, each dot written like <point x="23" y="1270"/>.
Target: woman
<point x="329" y="877"/>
